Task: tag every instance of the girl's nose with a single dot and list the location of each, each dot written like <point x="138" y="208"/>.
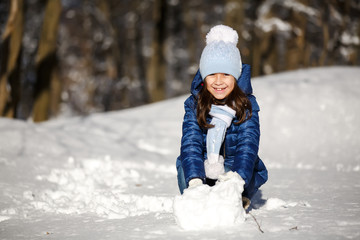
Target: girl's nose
<point x="218" y="78"/>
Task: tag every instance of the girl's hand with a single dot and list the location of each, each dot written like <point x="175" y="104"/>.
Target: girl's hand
<point x="195" y="182"/>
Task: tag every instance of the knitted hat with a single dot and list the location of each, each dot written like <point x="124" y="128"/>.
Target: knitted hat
<point x="221" y="54"/>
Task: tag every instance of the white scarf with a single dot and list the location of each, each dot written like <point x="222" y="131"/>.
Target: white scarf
<point x="222" y="117"/>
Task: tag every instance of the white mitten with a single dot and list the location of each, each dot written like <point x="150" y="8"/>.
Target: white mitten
<point x="228" y="175"/>
<point x="214" y="168"/>
<point x="195" y="182"/>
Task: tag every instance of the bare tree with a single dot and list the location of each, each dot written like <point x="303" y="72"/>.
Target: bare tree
<point x="156" y="69"/>
<point x="48" y="87"/>
<point x="10" y="60"/>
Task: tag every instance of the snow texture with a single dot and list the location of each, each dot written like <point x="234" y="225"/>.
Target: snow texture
<point x="113" y="176"/>
<point x="267" y="24"/>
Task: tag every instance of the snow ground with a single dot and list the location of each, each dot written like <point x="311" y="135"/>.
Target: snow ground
<point x="112" y="175"/>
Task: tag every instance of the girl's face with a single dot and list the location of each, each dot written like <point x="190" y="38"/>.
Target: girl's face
<point x="220" y="85"/>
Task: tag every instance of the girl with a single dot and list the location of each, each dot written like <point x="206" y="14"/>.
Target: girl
<point x="221" y="123"/>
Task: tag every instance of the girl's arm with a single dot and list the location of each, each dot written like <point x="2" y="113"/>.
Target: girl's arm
<point x="192" y="144"/>
<point x="248" y="144"/>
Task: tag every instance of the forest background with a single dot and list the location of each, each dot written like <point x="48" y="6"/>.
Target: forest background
<point x="76" y="57"/>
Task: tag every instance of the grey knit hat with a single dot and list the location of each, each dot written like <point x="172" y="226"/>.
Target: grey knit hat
<point x="221" y="54"/>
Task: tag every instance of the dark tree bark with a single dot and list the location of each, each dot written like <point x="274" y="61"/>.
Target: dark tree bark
<point x="10" y="60"/>
<point x="156" y="69"/>
<point x="48" y="87"/>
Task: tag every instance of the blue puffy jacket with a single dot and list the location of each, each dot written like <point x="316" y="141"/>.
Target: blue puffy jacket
<point x="240" y="146"/>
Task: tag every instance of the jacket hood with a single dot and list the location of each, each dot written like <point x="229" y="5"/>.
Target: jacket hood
<point x="243" y="81"/>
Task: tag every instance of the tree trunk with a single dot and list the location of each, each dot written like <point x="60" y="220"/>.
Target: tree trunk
<point x="156" y="70"/>
<point x="48" y="87"/>
<point x="10" y="60"/>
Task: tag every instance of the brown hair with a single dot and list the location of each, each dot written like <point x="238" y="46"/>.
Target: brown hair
<point x="237" y="100"/>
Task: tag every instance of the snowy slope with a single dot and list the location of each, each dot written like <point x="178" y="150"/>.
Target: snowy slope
<point x="112" y="176"/>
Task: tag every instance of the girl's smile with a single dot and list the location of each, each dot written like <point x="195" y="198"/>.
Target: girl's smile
<point x="220" y="85"/>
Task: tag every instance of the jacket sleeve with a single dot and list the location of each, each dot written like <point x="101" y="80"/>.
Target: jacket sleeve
<point x="248" y="144"/>
<point x="192" y="144"/>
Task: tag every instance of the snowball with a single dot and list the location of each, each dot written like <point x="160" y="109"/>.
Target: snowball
<point x="205" y="207"/>
<point x="222" y="33"/>
<point x="274" y="203"/>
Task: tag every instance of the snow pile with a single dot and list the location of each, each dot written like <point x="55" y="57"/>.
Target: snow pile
<point x="204" y="207"/>
<point x="95" y="186"/>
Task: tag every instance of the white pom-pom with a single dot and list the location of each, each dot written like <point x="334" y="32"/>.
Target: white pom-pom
<point x="222" y="33"/>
